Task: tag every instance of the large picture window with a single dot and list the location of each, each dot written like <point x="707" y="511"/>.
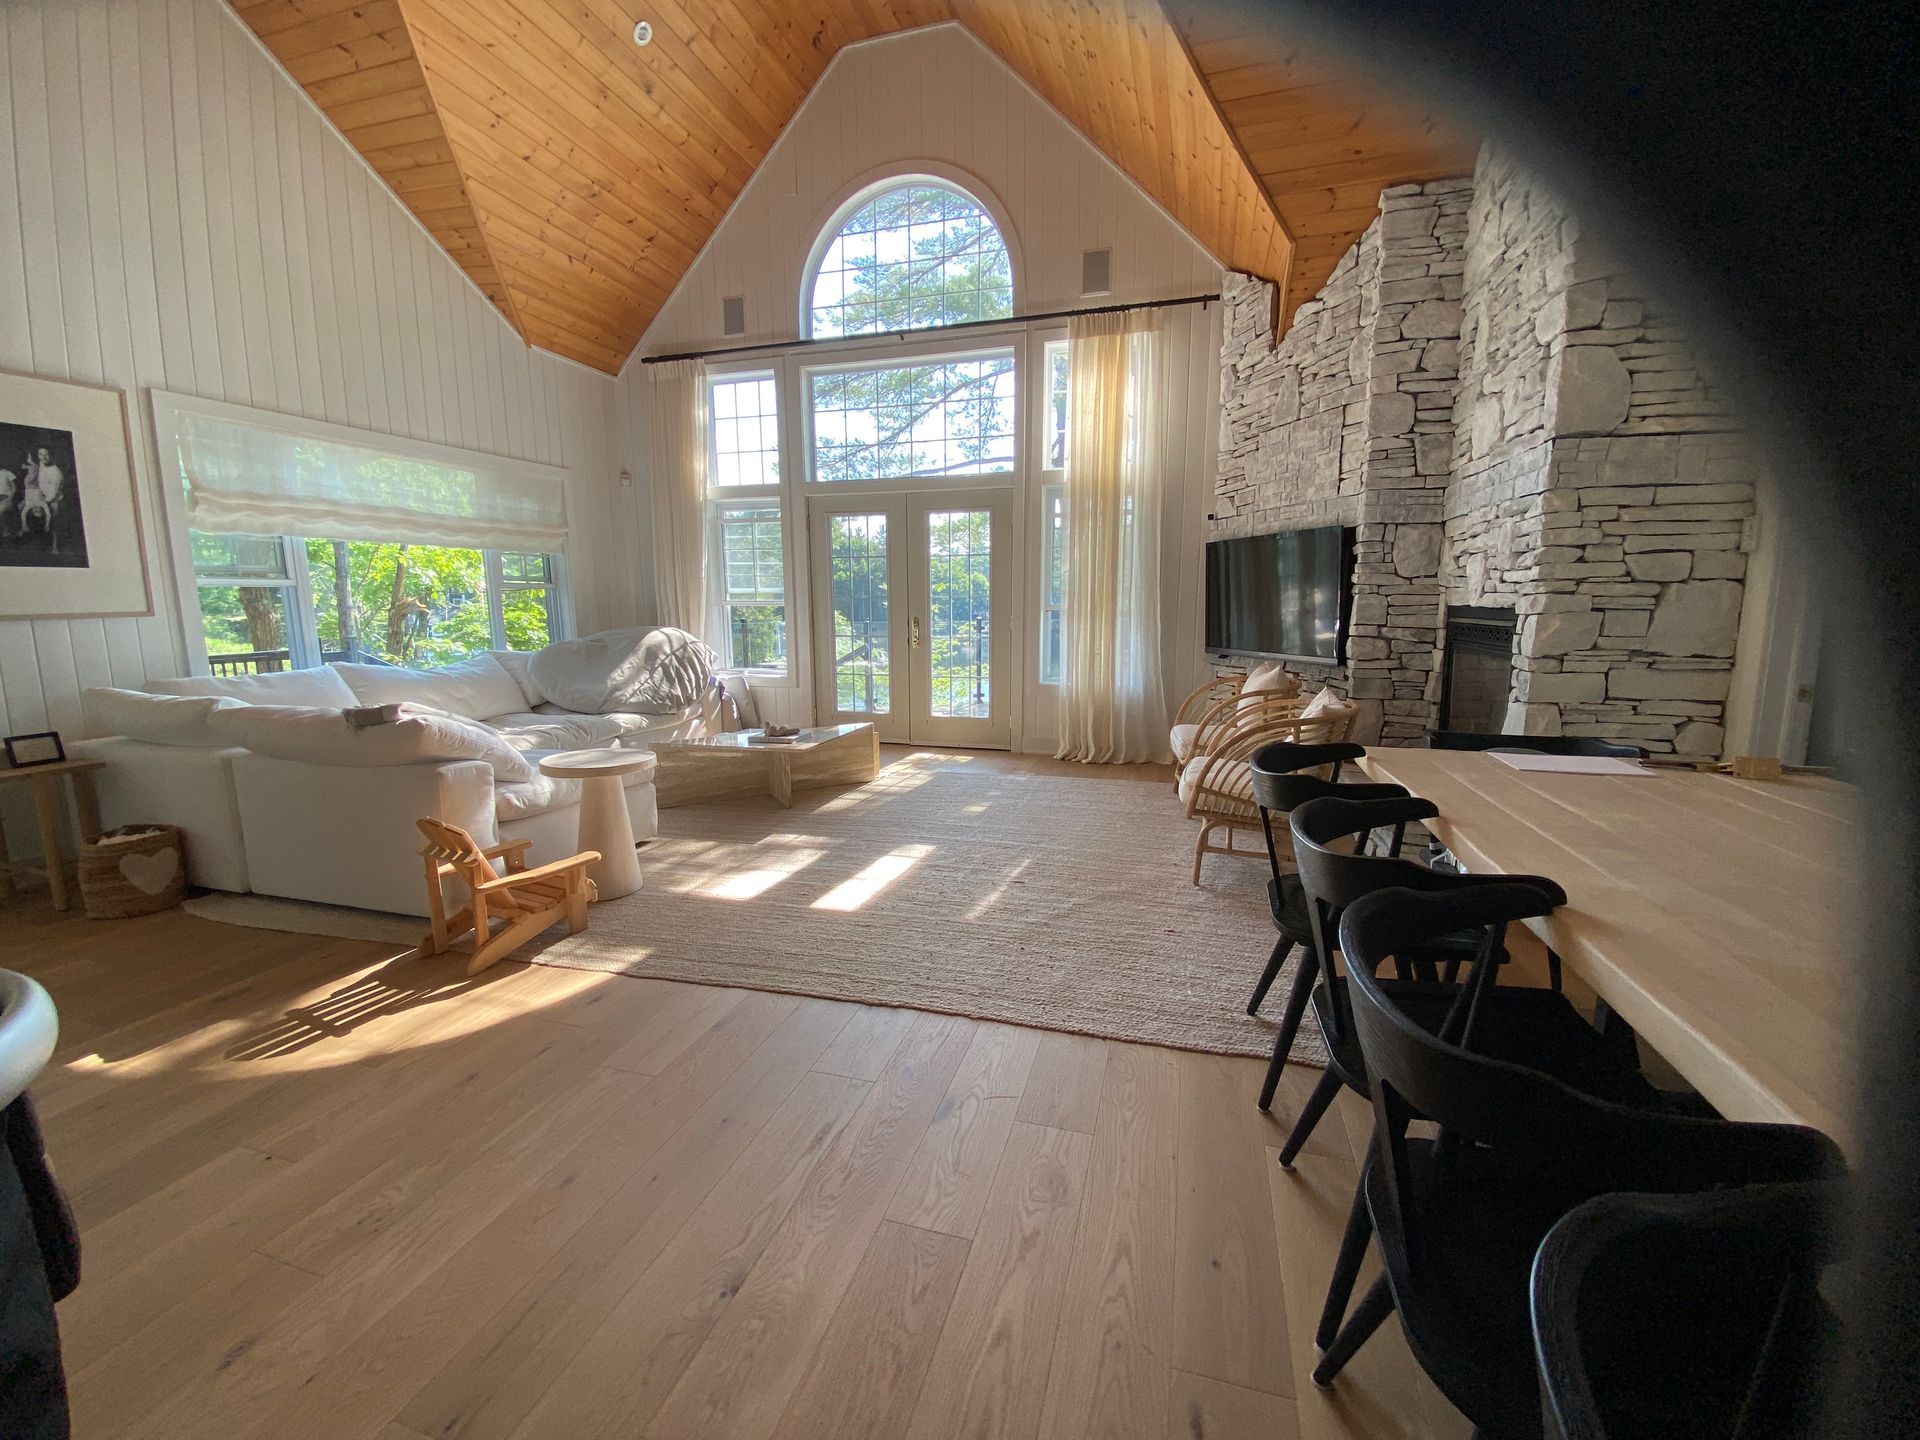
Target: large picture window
<point x="918" y="254"/>
<point x="271" y="603"/>
<point x="889" y="422"/>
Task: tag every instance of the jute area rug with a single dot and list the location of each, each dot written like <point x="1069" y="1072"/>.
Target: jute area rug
<point x="960" y="884"/>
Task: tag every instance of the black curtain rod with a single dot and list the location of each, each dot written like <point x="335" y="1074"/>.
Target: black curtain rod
<point x="931" y="329"/>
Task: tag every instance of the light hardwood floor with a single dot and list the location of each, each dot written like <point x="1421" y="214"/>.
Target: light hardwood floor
<point x="325" y="1192"/>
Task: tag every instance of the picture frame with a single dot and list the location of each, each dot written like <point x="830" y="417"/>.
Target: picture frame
<point x="71" y="541"/>
<point x="43" y="747"/>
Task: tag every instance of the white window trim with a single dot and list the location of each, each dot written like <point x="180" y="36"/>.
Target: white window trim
<point x="899" y="356"/>
<point x="785" y="494"/>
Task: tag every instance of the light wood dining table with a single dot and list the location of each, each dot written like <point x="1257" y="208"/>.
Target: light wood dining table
<point x="1714" y="914"/>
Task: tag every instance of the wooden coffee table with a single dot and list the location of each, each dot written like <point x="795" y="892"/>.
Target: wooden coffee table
<point x="719" y="767"/>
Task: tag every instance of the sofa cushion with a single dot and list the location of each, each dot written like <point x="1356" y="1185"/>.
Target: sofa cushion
<point x="323" y="737"/>
<point x="478" y="687"/>
<point x="1181" y="739"/>
<point x="1229" y="787"/>
<point x="563" y="731"/>
<point x="161" y="719"/>
<point x="673" y="725"/>
<point x="547" y="792"/>
<point x="519" y="664"/>
<point x="645" y="671"/>
<point x="286" y="687"/>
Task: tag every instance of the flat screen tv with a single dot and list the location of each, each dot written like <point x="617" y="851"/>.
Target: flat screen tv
<point x="1285" y="596"/>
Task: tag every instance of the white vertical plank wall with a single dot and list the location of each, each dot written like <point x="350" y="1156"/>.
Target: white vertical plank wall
<point x="185" y="219"/>
<point x="938" y="98"/>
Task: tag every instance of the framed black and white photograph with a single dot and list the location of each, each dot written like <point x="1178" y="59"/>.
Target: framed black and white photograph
<point x="70" y="540"/>
<point x="40" y="519"/>
<point x="41" y="748"/>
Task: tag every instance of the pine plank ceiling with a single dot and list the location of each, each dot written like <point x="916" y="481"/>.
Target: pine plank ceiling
<point x="575" y="176"/>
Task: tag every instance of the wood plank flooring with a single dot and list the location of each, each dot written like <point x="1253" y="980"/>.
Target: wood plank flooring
<point x="330" y="1192"/>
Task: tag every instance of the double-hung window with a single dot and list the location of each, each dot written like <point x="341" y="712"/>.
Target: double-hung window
<point x="748" y="545"/>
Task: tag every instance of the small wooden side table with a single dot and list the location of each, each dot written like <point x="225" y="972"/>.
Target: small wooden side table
<point x="604" y="823"/>
<point x="45" y="780"/>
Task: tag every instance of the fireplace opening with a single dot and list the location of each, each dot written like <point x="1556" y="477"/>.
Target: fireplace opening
<point x="1476" y="671"/>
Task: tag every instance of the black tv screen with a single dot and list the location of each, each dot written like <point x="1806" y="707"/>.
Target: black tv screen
<point x="1281" y="595"/>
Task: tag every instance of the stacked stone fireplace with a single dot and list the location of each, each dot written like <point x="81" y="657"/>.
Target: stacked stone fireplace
<point x="1509" y="421"/>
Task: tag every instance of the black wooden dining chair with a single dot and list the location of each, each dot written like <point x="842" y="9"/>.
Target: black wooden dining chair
<point x="1460" y="1216"/>
<point x="1278" y="786"/>
<point x="1697" y="1315"/>
<point x="1334" y="872"/>
<point x="1534" y="744"/>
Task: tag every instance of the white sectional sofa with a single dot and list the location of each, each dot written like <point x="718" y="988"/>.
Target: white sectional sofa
<point x="278" y="796"/>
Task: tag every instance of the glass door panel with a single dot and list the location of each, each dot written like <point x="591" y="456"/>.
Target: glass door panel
<point x="856" y="618"/>
<point x="958" y="626"/>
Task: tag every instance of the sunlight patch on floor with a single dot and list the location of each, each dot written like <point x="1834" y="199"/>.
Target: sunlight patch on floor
<point x="992" y="897"/>
<point x="855" y="892"/>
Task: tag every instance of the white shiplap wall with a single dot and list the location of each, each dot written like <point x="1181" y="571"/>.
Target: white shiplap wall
<point x="187" y="220"/>
<point x="937" y="99"/>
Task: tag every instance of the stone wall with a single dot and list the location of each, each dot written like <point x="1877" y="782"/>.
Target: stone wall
<point x="1507" y="419"/>
<point x="1598" y="485"/>
<point x="1349" y="420"/>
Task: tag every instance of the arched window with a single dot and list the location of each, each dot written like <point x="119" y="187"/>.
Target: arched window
<point x="917" y="254"/>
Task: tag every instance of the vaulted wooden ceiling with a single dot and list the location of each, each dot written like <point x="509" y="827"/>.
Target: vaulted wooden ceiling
<point x="575" y="175"/>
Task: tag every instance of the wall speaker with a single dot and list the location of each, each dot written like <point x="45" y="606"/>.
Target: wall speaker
<point x="1096" y="272"/>
<point x="733" y="315"/>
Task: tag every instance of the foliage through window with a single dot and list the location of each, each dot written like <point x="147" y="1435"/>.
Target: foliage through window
<point x="268" y="604"/>
<point x="1053" y="578"/>
<point x="887" y="422"/>
<point x="915" y="256"/>
<point x="754" y="585"/>
<point x="1056" y="422"/>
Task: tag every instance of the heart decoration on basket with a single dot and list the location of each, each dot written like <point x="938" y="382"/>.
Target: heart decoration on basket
<point x="151" y="874"/>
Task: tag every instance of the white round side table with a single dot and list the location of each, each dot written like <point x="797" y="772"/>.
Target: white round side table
<point x="604" y="823"/>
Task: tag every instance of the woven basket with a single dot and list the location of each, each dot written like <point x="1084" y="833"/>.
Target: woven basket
<point x="133" y="870"/>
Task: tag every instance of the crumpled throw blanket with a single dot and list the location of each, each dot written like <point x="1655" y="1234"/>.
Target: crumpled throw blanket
<point x="647" y="672"/>
<point x="39" y="1264"/>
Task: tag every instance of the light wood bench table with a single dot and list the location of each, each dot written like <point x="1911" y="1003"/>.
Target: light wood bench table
<point x="718" y="767"/>
<point x="1716" y="915"/>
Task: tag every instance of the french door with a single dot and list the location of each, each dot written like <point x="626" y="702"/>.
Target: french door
<point x="910" y="615"/>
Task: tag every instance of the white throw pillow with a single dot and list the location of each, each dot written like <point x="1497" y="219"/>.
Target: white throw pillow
<point x="161" y="719"/>
<point x="1320" y="704"/>
<point x="323" y="737"/>
<point x="477" y="687"/>
<point x="1270" y="678"/>
<point x="519" y="664"/>
<point x="287" y="687"/>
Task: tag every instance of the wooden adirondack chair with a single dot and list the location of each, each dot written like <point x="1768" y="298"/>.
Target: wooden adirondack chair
<point x="527" y="901"/>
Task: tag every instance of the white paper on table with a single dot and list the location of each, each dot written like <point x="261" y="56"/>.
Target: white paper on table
<point x="1570" y="764"/>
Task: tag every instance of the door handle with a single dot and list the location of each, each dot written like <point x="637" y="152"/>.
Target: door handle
<point x="916" y="632"/>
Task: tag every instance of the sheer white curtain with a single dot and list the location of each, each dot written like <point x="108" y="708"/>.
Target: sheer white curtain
<point x="676" y="421"/>
<point x="1112" y="707"/>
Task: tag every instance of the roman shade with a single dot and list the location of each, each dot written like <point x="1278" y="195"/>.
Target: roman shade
<point x="247" y="477"/>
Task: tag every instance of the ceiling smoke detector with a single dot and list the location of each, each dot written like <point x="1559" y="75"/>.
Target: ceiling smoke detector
<point x="642" y="32"/>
